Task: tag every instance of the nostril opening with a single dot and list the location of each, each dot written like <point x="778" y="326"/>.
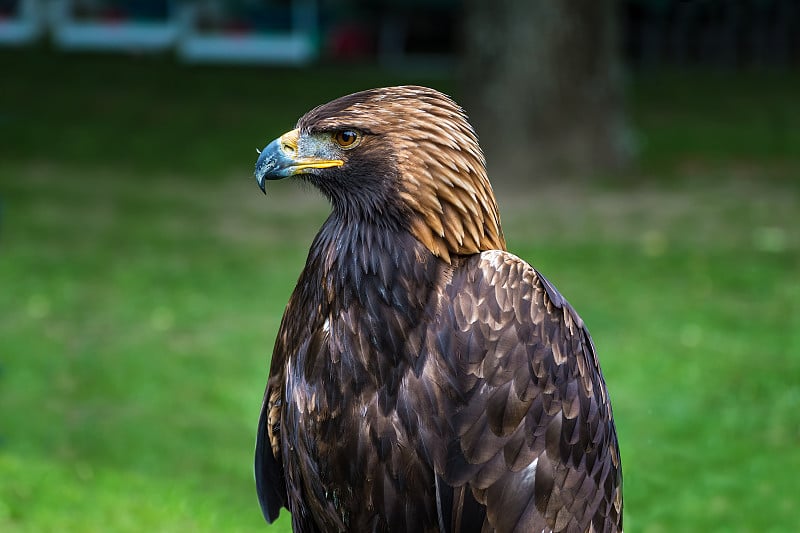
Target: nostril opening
<point x="288" y="148"/>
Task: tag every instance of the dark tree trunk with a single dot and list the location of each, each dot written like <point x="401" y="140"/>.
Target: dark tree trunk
<point x="543" y="86"/>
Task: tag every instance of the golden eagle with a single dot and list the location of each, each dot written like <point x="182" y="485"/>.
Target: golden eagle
<point x="424" y="378"/>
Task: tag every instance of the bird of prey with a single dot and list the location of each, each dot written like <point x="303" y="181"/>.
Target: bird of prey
<point x="423" y="377"/>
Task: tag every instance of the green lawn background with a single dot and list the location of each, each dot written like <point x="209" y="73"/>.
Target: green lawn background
<point x="143" y="276"/>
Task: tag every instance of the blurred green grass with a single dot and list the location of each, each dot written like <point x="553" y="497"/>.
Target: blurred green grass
<point x="143" y="276"/>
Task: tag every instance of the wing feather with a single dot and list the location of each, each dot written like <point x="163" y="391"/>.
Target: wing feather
<point x="533" y="440"/>
<point x="270" y="484"/>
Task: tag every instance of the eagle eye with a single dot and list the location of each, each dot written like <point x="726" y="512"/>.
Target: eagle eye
<point x="346" y="138"/>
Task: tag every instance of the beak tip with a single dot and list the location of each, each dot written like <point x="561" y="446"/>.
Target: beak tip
<point x="264" y="165"/>
<point x="261" y="182"/>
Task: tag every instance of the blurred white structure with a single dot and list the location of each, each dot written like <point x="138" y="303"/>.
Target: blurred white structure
<point x="261" y="32"/>
<point x="25" y="25"/>
<point x="74" y="33"/>
<point x="295" y="42"/>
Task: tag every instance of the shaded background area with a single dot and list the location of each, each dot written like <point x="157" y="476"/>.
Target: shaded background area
<point x="143" y="275"/>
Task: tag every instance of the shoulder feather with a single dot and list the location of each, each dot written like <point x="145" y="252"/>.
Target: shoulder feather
<point x="532" y="432"/>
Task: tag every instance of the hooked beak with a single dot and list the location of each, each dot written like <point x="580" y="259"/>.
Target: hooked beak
<point x="280" y="159"/>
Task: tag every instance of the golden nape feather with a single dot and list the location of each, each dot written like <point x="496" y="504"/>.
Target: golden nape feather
<point x="423" y="378"/>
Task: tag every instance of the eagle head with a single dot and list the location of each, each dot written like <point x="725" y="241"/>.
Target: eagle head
<point x="401" y="157"/>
